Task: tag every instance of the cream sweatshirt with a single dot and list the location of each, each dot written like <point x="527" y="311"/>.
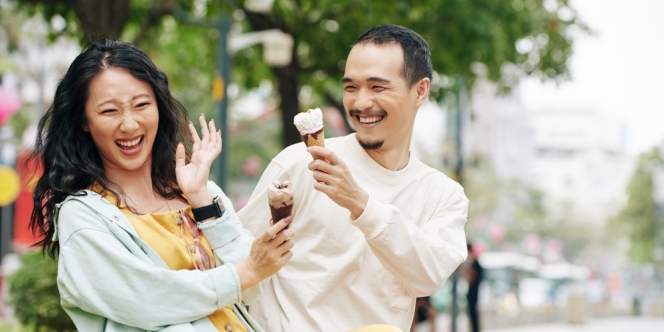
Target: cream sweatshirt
<point x="349" y="273"/>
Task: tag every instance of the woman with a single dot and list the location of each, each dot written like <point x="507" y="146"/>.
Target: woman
<point x="144" y="241"/>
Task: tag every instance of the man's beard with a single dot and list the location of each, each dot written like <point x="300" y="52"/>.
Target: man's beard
<point x="370" y="145"/>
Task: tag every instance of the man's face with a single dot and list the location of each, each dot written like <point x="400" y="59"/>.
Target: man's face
<point x="377" y="98"/>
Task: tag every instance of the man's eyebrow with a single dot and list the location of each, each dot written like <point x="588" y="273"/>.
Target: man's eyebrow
<point x="133" y="98"/>
<point x="370" y="79"/>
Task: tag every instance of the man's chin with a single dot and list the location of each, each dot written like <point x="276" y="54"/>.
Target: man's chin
<point x="370" y="144"/>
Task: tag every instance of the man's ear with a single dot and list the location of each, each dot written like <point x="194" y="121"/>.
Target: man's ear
<point x="422" y="91"/>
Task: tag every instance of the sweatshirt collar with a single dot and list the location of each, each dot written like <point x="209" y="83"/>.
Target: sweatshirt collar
<point x="375" y="169"/>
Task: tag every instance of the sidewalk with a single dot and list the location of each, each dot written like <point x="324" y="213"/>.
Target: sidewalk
<point x="617" y="324"/>
<point x="605" y="324"/>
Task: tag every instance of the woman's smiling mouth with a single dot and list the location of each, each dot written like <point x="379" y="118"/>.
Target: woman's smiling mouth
<point x="130" y="147"/>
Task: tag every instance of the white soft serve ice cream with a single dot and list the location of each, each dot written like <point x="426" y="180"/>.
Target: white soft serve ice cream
<point x="310" y="122"/>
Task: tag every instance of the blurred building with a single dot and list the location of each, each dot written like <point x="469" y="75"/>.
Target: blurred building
<point x="580" y="162"/>
<point x="577" y="159"/>
<point x="501" y="131"/>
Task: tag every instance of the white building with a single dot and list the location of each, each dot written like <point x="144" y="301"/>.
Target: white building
<point x="580" y="162"/>
<point x="577" y="159"/>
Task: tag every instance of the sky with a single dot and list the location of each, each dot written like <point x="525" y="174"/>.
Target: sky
<point x="618" y="71"/>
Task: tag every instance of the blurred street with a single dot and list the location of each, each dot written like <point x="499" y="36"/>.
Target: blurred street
<point x="607" y="324"/>
<point x="620" y="324"/>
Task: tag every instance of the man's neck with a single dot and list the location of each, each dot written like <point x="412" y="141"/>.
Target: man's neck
<point x="394" y="158"/>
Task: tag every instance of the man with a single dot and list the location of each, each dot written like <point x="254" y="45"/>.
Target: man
<point x="375" y="228"/>
<point x="473" y="272"/>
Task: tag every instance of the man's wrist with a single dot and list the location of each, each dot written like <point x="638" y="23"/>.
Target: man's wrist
<point x="360" y="205"/>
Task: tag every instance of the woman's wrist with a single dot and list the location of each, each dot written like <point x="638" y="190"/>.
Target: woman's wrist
<point x="197" y="200"/>
<point x="248" y="277"/>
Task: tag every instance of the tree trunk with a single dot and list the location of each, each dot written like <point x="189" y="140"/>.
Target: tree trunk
<point x="288" y="91"/>
<point x="101" y="18"/>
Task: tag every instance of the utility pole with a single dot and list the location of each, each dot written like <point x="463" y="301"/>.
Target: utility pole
<point x="458" y="174"/>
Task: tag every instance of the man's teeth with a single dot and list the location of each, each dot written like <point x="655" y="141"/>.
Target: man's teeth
<point x="370" y="119"/>
<point x="129" y="143"/>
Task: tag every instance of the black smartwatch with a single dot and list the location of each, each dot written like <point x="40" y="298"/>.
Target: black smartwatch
<point x="216" y="210"/>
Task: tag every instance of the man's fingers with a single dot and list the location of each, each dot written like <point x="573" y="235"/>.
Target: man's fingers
<point x="323" y="177"/>
<point x="321" y="165"/>
<point x="325" y="153"/>
<point x="179" y="155"/>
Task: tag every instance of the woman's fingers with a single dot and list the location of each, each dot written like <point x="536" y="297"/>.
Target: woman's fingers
<point x="205" y="132"/>
<point x="179" y="155"/>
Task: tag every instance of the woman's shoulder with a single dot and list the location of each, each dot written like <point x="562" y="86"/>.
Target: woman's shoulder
<point x="81" y="211"/>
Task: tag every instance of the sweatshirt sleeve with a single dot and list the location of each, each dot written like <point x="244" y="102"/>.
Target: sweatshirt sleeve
<point x="421" y="258"/>
<point x="100" y="275"/>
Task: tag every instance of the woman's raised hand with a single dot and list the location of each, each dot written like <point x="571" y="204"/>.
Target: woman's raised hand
<point x="269" y="253"/>
<point x="192" y="178"/>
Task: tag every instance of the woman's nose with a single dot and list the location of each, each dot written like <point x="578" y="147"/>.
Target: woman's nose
<point x="128" y="121"/>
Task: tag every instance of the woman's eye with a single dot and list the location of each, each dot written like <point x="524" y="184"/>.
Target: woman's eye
<point x="143" y="104"/>
<point x="109" y="111"/>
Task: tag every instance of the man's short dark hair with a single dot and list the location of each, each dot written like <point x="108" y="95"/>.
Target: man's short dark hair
<point x="416" y="53"/>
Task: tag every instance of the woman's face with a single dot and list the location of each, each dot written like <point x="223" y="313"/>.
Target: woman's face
<point x="122" y="118"/>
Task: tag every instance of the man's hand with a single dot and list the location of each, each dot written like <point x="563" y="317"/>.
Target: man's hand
<point x="334" y="180"/>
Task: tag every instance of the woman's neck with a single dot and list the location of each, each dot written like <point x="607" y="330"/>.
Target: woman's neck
<point x="137" y="184"/>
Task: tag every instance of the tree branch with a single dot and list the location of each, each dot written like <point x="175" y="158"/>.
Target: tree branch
<point x="155" y="15"/>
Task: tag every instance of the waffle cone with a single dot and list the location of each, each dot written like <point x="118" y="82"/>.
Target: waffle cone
<point x="315" y="139"/>
<point x="281" y="213"/>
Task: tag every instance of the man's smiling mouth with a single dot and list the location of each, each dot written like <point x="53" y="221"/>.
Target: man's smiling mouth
<point x="369" y="119"/>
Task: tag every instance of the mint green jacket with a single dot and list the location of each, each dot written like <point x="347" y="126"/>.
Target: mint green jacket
<point x="110" y="280"/>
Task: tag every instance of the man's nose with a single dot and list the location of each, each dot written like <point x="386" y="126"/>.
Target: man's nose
<point x="364" y="100"/>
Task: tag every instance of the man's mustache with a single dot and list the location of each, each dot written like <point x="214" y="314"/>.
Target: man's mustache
<point x="367" y="113"/>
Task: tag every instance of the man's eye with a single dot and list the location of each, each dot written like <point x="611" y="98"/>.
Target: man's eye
<point x="378" y="87"/>
<point x="350" y="88"/>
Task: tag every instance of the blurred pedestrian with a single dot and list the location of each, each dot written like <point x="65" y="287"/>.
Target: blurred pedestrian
<point x="473" y="272"/>
<point x="376" y="227"/>
<point x="144" y="241"/>
<point x="425" y="313"/>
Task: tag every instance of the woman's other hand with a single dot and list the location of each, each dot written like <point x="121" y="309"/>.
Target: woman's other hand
<point x="193" y="177"/>
<point x="269" y="253"/>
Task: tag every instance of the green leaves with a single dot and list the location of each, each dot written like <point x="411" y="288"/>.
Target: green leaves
<point x="34" y="294"/>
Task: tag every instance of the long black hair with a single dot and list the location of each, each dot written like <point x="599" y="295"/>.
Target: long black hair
<point x="68" y="155"/>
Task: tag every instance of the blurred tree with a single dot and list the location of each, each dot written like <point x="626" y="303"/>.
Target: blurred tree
<point x="34" y="294"/>
<point x="510" y="38"/>
<point x="637" y="220"/>
<point x="502" y="40"/>
<point x="106" y="18"/>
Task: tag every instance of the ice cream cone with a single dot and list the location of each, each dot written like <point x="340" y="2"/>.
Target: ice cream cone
<point x="310" y="126"/>
<point x="281" y="213"/>
<point x="280" y="199"/>
<point x="315" y="139"/>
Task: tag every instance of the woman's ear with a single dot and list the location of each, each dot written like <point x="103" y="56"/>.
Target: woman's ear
<point x="85" y="127"/>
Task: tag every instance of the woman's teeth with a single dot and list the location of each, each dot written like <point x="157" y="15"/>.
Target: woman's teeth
<point x="129" y="143"/>
<point x="370" y="119"/>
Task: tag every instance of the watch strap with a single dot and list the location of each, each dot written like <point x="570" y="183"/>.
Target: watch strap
<point x="216" y="210"/>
